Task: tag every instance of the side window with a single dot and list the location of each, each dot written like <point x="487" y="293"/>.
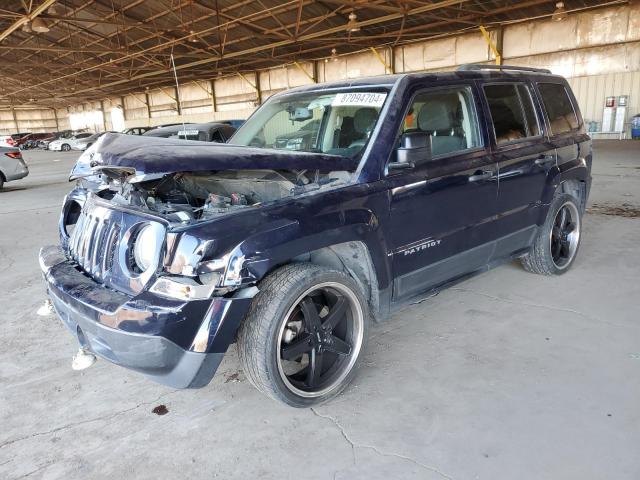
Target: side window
<point x="562" y="116"/>
<point x="228" y="132"/>
<point x="216" y="136"/>
<point x="512" y="112"/>
<point x="446" y="117"/>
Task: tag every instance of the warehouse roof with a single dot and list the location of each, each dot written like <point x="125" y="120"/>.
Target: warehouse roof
<point x="67" y="51"/>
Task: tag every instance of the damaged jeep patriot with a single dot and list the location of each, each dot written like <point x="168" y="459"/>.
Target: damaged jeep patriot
<point x="329" y="206"/>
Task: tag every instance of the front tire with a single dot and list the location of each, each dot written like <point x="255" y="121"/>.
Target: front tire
<point x="65" y="148"/>
<point x="556" y="246"/>
<point x="304" y="334"/>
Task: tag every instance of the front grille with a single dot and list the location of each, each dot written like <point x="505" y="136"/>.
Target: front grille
<point x="93" y="242"/>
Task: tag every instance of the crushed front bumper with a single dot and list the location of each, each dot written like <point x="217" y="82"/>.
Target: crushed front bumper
<point x="176" y="343"/>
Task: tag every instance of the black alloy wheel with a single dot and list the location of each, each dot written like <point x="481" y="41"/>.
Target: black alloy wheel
<point x="317" y="338"/>
<point x="304" y="333"/>
<point x="565" y="235"/>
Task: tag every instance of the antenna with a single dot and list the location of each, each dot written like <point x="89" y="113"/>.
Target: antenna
<point x="175" y="75"/>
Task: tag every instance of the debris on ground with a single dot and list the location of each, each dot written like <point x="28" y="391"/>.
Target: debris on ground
<point x="234" y="377"/>
<point x="624" y="210"/>
<point x="46" y="309"/>
<point x="160" y="410"/>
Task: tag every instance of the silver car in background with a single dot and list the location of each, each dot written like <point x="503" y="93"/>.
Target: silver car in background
<point x="86" y="142"/>
<point x="12" y="165"/>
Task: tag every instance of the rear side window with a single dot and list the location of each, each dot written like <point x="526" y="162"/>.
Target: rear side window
<point x="512" y="112"/>
<point x="562" y="116"/>
<point x="447" y="116"/>
<point x="216" y="136"/>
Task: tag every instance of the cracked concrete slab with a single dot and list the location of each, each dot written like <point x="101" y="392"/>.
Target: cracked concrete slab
<point x="507" y="375"/>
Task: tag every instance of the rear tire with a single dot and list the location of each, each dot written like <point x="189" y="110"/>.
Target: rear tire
<point x="1" y="181"/>
<point x="65" y="147"/>
<point x="304" y="334"/>
<point x="556" y="246"/>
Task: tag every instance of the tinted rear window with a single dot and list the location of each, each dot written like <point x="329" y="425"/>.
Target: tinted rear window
<point x="562" y="116"/>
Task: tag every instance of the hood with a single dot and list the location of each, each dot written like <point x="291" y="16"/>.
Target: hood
<point x="143" y="155"/>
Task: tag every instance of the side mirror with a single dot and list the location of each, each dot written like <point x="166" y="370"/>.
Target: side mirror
<point x="415" y="147"/>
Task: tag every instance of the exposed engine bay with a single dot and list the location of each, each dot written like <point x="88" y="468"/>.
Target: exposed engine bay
<point x="190" y="196"/>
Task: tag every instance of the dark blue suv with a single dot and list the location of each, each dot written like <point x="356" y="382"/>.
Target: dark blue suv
<point x="290" y="239"/>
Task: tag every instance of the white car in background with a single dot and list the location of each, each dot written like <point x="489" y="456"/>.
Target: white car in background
<point x="65" y="144"/>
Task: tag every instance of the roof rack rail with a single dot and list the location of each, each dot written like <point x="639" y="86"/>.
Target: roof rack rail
<point x="474" y="67"/>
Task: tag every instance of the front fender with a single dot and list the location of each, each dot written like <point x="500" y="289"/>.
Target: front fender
<point x="263" y="253"/>
<point x="256" y="242"/>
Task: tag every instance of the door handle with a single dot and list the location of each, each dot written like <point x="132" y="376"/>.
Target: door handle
<point x="544" y="159"/>
<point x="483" y="175"/>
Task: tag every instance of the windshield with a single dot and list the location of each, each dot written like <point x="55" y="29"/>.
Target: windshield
<point x="338" y="123"/>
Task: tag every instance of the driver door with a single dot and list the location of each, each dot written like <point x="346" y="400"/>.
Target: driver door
<point x="442" y="210"/>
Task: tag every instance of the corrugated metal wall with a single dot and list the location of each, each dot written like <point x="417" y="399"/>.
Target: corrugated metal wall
<point x="591" y="92"/>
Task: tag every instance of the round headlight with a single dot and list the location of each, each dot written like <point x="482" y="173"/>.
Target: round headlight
<point x="145" y="248"/>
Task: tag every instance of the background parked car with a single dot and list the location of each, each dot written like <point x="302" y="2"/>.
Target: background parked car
<point x="20" y="138"/>
<point x="35" y="140"/>
<point x="85" y="143"/>
<point x="204" y="132"/>
<point x="302" y="139"/>
<point x="54" y="136"/>
<point x="6" y="141"/>
<point x="12" y="165"/>
<point x="65" y="144"/>
<point x="234" y="123"/>
<point x="136" y="130"/>
<point x="12" y="139"/>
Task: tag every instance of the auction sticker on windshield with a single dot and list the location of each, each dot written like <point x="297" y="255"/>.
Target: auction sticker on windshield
<point x="188" y="133"/>
<point x="359" y="99"/>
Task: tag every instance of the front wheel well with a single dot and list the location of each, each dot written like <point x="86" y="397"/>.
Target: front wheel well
<point x="352" y="258"/>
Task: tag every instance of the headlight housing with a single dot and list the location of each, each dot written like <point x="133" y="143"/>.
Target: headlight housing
<point x="183" y="288"/>
<point x="145" y="248"/>
<point x="210" y="281"/>
<point x="189" y="277"/>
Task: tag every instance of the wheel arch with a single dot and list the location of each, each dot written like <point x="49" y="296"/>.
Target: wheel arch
<point x="353" y="249"/>
<point x="571" y="178"/>
<point x="354" y="256"/>
<point x="354" y="259"/>
<point x="576" y="188"/>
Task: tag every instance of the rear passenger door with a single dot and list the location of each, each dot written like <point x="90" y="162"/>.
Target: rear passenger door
<point x="442" y="209"/>
<point x="524" y="157"/>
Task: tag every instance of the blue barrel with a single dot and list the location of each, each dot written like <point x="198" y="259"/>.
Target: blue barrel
<point x="635" y="127"/>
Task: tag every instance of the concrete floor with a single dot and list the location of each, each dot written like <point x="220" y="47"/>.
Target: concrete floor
<point x="506" y="376"/>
